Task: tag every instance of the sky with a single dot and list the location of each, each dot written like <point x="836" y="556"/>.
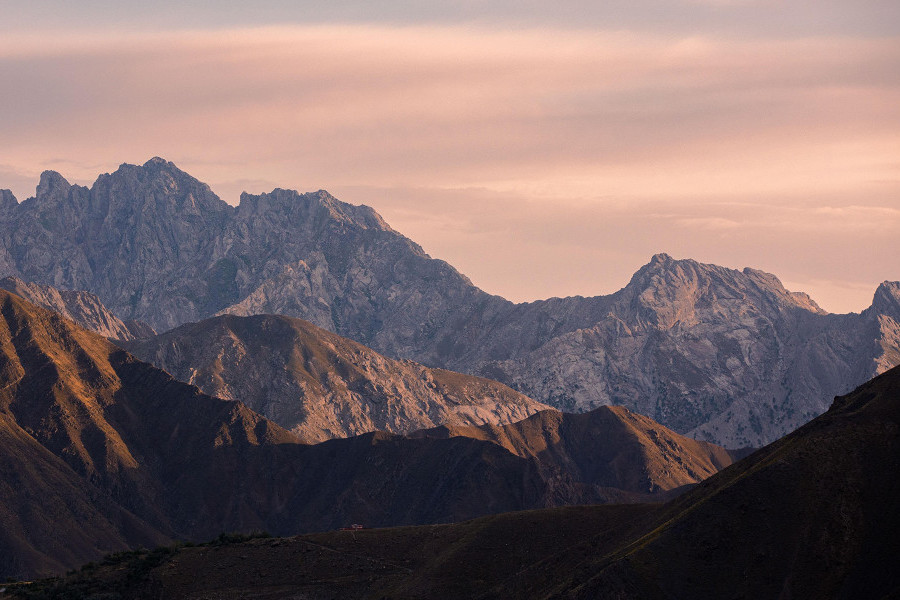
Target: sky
<point x="543" y="149"/>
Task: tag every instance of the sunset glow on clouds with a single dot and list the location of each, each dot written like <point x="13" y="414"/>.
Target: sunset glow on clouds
<point x="540" y="161"/>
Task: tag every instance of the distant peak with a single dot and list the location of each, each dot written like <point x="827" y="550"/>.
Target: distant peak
<point x="154" y="165"/>
<point x="157" y="164"/>
<point x="887" y="298"/>
<point x="281" y="199"/>
<point x="664" y="264"/>
<point x="50" y="182"/>
<point x="7" y="200"/>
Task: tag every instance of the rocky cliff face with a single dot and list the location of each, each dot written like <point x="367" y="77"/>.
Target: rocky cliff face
<point x="82" y="307"/>
<point x="729" y="356"/>
<point x="724" y="355"/>
<point x="319" y="385"/>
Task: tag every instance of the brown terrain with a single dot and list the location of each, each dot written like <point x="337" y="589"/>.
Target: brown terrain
<point x="104" y="452"/>
<point x="604" y="447"/>
<point x="814" y="515"/>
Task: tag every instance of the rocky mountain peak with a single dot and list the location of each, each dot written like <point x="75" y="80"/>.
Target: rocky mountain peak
<point x="769" y="285"/>
<point x="82" y="307"/>
<point x="320" y="385"/>
<point x="158" y="162"/>
<point x="158" y="186"/>
<point x="317" y="207"/>
<point x="667" y="291"/>
<point x="887" y="299"/>
<point x="52" y="184"/>
<point x="663" y="265"/>
<point x="8" y="201"/>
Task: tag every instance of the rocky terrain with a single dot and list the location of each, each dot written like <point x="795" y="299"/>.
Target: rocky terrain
<point x="724" y="355"/>
<point x="82" y="307"/>
<point x="101" y="452"/>
<point x="718" y="354"/>
<point x="811" y="516"/>
<point x="319" y="385"/>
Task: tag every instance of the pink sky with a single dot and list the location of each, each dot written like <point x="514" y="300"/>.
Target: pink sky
<point x="540" y="161"/>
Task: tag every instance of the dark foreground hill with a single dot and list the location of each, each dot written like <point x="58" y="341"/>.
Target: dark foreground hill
<point x="101" y="452"/>
<point x="725" y="355"/>
<point x="609" y="446"/>
<point x="814" y="515"/>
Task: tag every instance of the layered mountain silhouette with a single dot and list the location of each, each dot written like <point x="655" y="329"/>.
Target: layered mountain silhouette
<point x="319" y="385"/>
<point x="724" y="355"/>
<point x="609" y="446"/>
<point x="102" y="452"/>
<point x="814" y="515"/>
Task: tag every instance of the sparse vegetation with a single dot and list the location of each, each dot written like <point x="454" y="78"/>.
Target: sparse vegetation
<point x="116" y="573"/>
<point x="237" y="538"/>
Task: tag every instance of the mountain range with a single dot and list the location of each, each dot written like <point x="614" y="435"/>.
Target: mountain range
<point x="294" y="320"/>
<point x="101" y="452"/>
<point x="813" y="515"/>
<point x="719" y="354"/>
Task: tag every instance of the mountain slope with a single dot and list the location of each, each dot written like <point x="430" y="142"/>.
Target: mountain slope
<point x="51" y="518"/>
<point x="814" y="515"/>
<point x="725" y="355"/>
<point x="608" y="447"/>
<point x="82" y="307"/>
<point x="119" y="448"/>
<point x="122" y="425"/>
<point x="319" y="385"/>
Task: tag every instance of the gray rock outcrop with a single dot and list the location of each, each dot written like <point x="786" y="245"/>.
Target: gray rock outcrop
<point x="82" y="307"/>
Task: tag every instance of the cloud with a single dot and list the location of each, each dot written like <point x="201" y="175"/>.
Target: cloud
<point x="582" y="112"/>
<point x="708" y="223"/>
<point x="796" y="18"/>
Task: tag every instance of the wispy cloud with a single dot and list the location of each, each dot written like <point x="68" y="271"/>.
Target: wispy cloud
<point x="585" y="113"/>
<point x="709" y="223"/>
